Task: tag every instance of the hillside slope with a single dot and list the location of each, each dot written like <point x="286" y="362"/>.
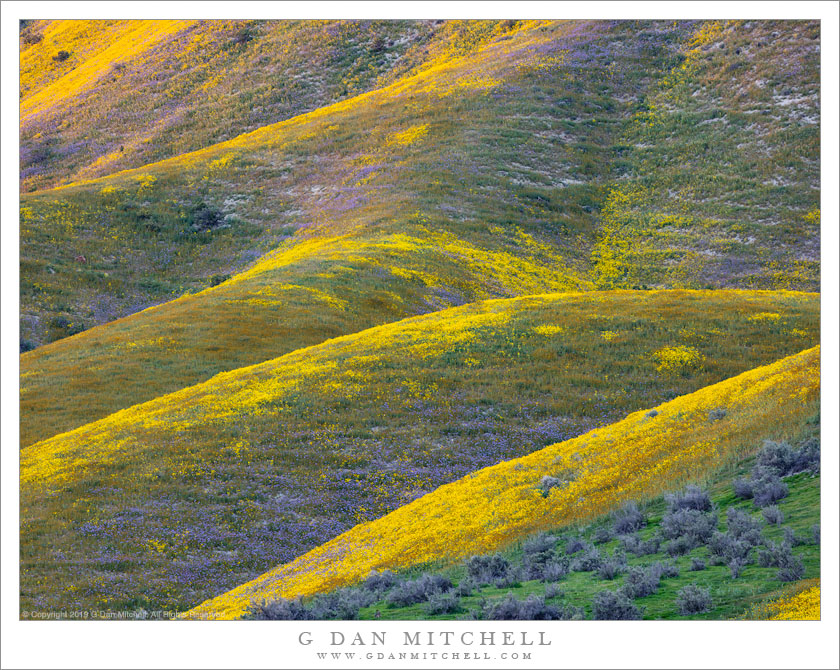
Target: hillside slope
<point x="197" y="491"/>
<point x="405" y="200"/>
<point x="434" y="207"/>
<point x="634" y="459"/>
<point x="102" y="96"/>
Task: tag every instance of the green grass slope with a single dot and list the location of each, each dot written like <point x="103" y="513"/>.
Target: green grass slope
<point x="168" y="503"/>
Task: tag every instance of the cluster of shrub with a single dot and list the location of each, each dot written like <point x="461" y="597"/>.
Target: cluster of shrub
<point x="690" y="521"/>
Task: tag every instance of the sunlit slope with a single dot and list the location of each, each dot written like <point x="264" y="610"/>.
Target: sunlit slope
<point x="637" y="458"/>
<point x="193" y="493"/>
<point x="722" y="167"/>
<point x="476" y="146"/>
<point x="100" y="96"/>
<point x="435" y="204"/>
<point x="802" y="604"/>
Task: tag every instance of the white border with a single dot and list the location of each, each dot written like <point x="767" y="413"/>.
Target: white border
<point x="578" y="645"/>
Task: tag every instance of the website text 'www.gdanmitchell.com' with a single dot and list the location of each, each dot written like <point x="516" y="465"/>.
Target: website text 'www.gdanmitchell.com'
<point x="424" y="646"/>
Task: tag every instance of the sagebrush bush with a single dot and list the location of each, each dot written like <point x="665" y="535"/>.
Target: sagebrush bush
<point x="277" y="610"/>
<point x="555" y="571"/>
<point x="380" y="581"/>
<point x="418" y="590"/>
<point x="768" y="490"/>
<point x="553" y="591"/>
<point x="574" y="545"/>
<point x="692" y="498"/>
<point x="486" y="569"/>
<point x="742" y="488"/>
<point x="692" y="599"/>
<point x="603" y="534"/>
<point x="743" y="527"/>
<point x="533" y="608"/>
<point x="691" y="523"/>
<point x="443" y="603"/>
<point x="614" y="606"/>
<point x="717" y="414"/>
<point x="340" y="605"/>
<point x="791" y="569"/>
<point x="815" y="533"/>
<point x="466" y="587"/>
<point x="640" y="582"/>
<point x="611" y="568"/>
<point x="773" y="515"/>
<point x="587" y="561"/>
<point x="537" y="552"/>
<point x="628" y="519"/>
<point x="697" y="564"/>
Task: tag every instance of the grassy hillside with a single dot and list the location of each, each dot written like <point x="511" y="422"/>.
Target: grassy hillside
<point x="411" y="217"/>
<point x="405" y="200"/>
<point x="637" y="458"/>
<point x="632" y="551"/>
<point x="101" y="96"/>
<point x="197" y="491"/>
<point x="722" y="166"/>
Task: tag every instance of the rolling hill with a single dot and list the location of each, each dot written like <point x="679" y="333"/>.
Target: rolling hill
<point x="440" y="205"/>
<point x="637" y="458"/>
<point x="335" y="296"/>
<point x="202" y="489"/>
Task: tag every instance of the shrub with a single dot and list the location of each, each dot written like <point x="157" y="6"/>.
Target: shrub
<point x="815" y="532"/>
<point x="31" y="37"/>
<point x="215" y="280"/>
<point x="588" y="561"/>
<point x="443" y="603"/>
<point x="628" y="519"/>
<point x="669" y="569"/>
<point x="547" y="483"/>
<point x="26" y="345"/>
<point x="768" y="491"/>
<point x="697" y="564"/>
<point x="536" y="553"/>
<point x="277" y="610"/>
<point x="774" y="555"/>
<point x="340" y="605"/>
<point x="743" y="527"/>
<point x="380" y="581"/>
<point x="742" y="488"/>
<point x="717" y="414"/>
<point x="552" y="591"/>
<point x="692" y="599"/>
<point x="651" y="413"/>
<point x="641" y="582"/>
<point x="418" y="590"/>
<point x="466" y="587"/>
<point x="693" y="498"/>
<point x="533" y="608"/>
<point x="486" y="569"/>
<point x="791" y="569"/>
<point x="690" y="523"/>
<point x="61" y="56"/>
<point x="555" y="571"/>
<point x="773" y="515"/>
<point x="736" y="565"/>
<point x="611" y="568"/>
<point x="509" y="580"/>
<point x="574" y="545"/>
<point x="614" y="606"/>
<point x="680" y="546"/>
<point x="204" y="218"/>
<point x="603" y="534"/>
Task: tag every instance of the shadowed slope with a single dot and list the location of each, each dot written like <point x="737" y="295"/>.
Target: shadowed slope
<point x="101" y="96"/>
<point x="635" y="459"/>
<point x="205" y="488"/>
<point x="411" y="199"/>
